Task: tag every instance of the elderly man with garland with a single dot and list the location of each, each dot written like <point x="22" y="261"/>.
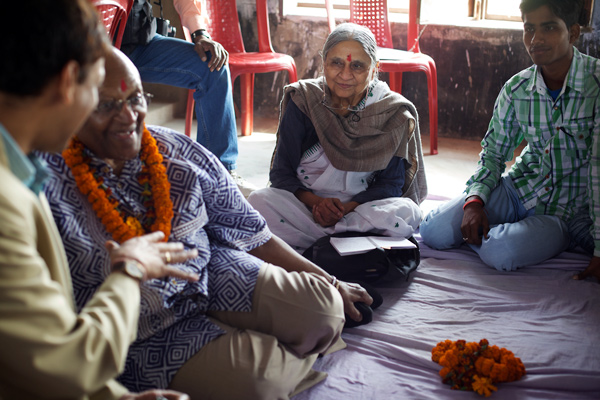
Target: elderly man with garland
<point x="247" y="329"/>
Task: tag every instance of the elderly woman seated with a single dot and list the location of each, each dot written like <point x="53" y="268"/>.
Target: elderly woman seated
<point x="348" y="155"/>
<point x="247" y="329"/>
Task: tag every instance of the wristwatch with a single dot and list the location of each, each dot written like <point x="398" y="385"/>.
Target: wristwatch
<point x="200" y="32"/>
<point x="130" y="267"/>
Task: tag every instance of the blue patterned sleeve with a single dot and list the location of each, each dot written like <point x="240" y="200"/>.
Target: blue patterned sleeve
<point x="231" y="219"/>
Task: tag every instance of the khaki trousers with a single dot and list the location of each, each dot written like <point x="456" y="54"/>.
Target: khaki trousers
<point x="268" y="353"/>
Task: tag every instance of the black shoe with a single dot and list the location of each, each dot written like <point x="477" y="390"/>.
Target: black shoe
<point x="365" y="310"/>
<point x="377" y="299"/>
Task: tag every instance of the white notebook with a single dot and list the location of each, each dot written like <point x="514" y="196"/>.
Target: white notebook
<point x="356" y="245"/>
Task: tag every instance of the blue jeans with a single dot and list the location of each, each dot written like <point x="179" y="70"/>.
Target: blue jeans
<point x="517" y="237"/>
<point x="174" y="62"/>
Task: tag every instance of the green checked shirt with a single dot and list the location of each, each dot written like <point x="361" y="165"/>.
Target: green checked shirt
<point x="558" y="172"/>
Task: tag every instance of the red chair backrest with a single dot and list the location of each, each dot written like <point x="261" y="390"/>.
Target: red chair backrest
<point x="224" y="26"/>
<point x="114" y="16"/>
<point x="374" y="15"/>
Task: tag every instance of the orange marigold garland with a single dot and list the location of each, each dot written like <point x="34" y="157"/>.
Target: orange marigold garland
<point x="476" y="366"/>
<point x="155" y="195"/>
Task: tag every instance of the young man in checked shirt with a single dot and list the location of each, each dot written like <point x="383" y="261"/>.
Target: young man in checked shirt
<point x="550" y="199"/>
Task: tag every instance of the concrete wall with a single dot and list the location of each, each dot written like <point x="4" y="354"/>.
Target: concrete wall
<point x="472" y="63"/>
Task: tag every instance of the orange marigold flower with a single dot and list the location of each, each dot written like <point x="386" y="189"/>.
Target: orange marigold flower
<point x="445" y="371"/>
<point x="484" y="366"/>
<point x="483" y="386"/>
<point x="153" y="159"/>
<point x="476" y="366"/>
<point x="120" y="230"/>
<point x="499" y="373"/>
<point x="80" y="169"/>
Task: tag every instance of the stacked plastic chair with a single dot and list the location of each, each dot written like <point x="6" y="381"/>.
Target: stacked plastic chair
<point x="114" y="15"/>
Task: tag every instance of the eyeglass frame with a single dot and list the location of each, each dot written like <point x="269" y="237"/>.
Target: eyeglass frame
<point x="355" y="69"/>
<point x="116" y="106"/>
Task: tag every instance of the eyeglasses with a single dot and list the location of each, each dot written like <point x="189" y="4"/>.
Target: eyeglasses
<point x="138" y="102"/>
<point x="356" y="67"/>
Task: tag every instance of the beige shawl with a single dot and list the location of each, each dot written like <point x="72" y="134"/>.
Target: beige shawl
<point x="389" y="127"/>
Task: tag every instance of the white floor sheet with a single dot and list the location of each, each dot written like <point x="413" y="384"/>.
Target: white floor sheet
<point x="547" y="319"/>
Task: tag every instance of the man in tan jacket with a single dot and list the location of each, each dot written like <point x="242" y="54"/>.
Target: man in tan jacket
<point x="49" y="80"/>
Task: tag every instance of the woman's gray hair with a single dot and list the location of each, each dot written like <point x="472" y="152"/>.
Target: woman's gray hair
<point x="349" y="31"/>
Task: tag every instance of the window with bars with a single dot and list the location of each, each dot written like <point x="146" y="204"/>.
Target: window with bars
<point x="431" y="10"/>
<point x="341" y="8"/>
<point x="509" y="10"/>
<point x="496" y="9"/>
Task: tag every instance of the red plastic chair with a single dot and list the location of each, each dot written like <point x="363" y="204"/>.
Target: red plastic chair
<point x="224" y="27"/>
<point x="189" y="108"/>
<point x="374" y="15"/>
<point x="114" y="15"/>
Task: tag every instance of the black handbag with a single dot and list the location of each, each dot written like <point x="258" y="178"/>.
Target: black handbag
<point x="374" y="266"/>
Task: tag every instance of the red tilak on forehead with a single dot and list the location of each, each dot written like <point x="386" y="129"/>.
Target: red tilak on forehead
<point x="349" y="58"/>
<point x="123" y="85"/>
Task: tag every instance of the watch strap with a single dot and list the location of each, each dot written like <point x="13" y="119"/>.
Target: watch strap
<point x="131" y="268"/>
<point x="198" y="33"/>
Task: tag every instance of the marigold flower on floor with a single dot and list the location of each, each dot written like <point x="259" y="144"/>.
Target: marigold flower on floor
<point x="476" y="366"/>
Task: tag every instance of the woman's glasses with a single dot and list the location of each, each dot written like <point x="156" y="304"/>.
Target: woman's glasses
<point x="138" y="102"/>
<point x="356" y="67"/>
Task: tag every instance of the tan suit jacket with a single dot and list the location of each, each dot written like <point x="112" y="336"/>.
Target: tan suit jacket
<point x="47" y="350"/>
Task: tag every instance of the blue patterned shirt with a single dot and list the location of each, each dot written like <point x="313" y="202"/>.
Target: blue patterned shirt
<point x="558" y="172"/>
<point x="210" y="214"/>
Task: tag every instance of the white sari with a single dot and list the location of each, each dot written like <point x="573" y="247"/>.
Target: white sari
<point x="290" y="219"/>
<point x="293" y="222"/>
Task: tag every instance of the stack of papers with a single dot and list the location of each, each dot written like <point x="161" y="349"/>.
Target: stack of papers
<point x="346" y="246"/>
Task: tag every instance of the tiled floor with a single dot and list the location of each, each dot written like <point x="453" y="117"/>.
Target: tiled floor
<point x="446" y="172"/>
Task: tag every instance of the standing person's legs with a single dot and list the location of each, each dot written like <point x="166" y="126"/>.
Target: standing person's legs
<point x="174" y="62"/>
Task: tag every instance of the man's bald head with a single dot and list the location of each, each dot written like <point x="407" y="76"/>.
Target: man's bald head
<point x="121" y="73"/>
<point x="114" y="131"/>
